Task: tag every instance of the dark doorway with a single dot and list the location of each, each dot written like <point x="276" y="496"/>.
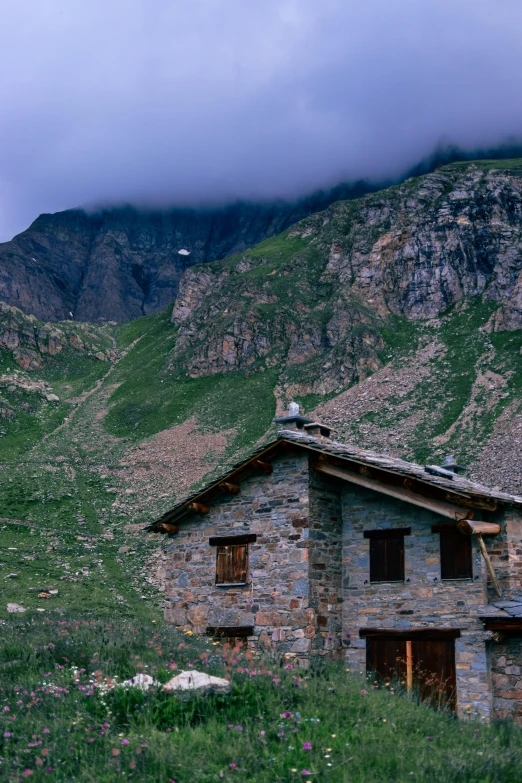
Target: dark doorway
<point x="425" y="666"/>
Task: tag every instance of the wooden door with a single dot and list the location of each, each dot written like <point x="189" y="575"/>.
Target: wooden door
<point x="424" y="666"/>
<point x="386" y="658"/>
<point x="433" y="669"/>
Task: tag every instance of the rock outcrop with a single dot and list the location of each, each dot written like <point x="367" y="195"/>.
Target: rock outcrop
<point x="318" y="296"/>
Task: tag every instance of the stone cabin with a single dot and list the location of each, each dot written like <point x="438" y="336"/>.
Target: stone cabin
<point x="316" y="548"/>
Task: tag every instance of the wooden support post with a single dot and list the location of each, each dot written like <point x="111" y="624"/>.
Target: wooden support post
<point x="227" y="487"/>
<point x="201" y="508"/>
<point x="409" y="667"/>
<point x="489" y="566"/>
<point x="482" y="528"/>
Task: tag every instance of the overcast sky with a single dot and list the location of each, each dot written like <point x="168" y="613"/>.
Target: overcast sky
<point x="190" y="101"/>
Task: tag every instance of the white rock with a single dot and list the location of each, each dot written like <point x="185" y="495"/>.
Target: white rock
<point x="196" y="681"/>
<point x="52" y="398"/>
<point x="15" y="608"/>
<point x="183" y="252"/>
<point x="142" y="681"/>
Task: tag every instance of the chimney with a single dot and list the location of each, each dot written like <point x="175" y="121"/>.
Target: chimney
<point x="293" y="420"/>
<point x="450" y="463"/>
<point x="318" y="430"/>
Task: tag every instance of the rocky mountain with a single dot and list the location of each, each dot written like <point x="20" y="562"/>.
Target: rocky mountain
<point x="121" y="263"/>
<point x="396" y="318"/>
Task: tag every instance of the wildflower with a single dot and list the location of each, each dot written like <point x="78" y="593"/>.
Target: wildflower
<point x="6" y="709"/>
<point x="239" y="728"/>
<point x="27" y="772"/>
<point x="306" y="772"/>
<point x="125" y="742"/>
<point x="49" y="769"/>
<point x="364" y="692"/>
<point x="429" y="737"/>
<point x="307" y="746"/>
<point x="280" y="734"/>
<point x="286" y="714"/>
<point x="334" y="735"/>
<point x="233" y="766"/>
<point x="115" y="751"/>
<point x="262" y="733"/>
<point x="276" y="680"/>
<point x="7" y="734"/>
<point x="143" y="744"/>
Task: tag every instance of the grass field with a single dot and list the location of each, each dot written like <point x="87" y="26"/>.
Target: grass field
<point x="59" y="722"/>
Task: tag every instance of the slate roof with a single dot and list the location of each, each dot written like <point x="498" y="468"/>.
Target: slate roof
<point x="504" y="608"/>
<point x="433" y="475"/>
<point x="439" y="477"/>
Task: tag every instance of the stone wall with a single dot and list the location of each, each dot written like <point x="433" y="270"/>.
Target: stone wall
<point x="276" y="601"/>
<point x="506" y="675"/>
<point x="422" y="601"/>
<point x="326" y="563"/>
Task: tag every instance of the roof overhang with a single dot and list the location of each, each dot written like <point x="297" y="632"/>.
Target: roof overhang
<point x="421" y="489"/>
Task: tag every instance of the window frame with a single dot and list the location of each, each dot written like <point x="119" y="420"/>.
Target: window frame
<point x="385" y="535"/>
<point x="234" y="543"/>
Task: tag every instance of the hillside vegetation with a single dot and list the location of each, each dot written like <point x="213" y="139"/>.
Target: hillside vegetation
<point x="67" y="715"/>
<point x="395" y="317"/>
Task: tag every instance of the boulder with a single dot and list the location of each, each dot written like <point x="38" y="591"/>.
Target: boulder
<point x="52" y="398"/>
<point x="142" y="681"/>
<point x="15" y="608"/>
<point x="196" y="682"/>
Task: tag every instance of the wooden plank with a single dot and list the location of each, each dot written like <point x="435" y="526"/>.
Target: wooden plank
<point x="409" y="633"/>
<point x="247" y="538"/>
<point x="513" y="624"/>
<point x="201" y="508"/>
<point x="226" y="486"/>
<point x="438" y="506"/>
<point x="389" y="532"/>
<point x="230" y="630"/>
<point x="487" y="504"/>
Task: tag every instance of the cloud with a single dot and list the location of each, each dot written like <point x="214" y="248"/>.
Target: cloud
<point x="170" y="102"/>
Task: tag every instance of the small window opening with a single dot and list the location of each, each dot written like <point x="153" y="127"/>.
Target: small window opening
<point x="387" y="554"/>
<point x="455" y="553"/>
<point x="232" y="564"/>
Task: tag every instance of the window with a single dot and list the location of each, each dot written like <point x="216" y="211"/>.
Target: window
<point x="455" y="553"/>
<point x="232" y="559"/>
<point x="387" y="554"/>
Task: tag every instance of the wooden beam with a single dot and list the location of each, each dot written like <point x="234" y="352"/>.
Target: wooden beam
<point x="226" y="486"/>
<point x="513" y="624"/>
<point x="486" y="505"/>
<point x="264" y="467"/>
<point x="489" y="565"/>
<point x="409" y="633"/>
<point x="438" y="506"/>
<point x="164" y="527"/>
<point x="484" y="528"/>
<point x="201" y="508"/>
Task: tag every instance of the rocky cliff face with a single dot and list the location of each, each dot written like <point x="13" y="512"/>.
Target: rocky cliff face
<point x="120" y="264"/>
<point x="315" y="300"/>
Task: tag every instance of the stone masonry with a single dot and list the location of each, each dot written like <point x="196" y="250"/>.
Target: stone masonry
<point x="422" y="601"/>
<point x="308" y="590"/>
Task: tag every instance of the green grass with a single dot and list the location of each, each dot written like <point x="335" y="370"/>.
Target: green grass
<point x="275" y="724"/>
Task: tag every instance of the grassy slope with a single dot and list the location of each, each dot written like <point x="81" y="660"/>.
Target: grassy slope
<point x="275" y="725"/>
<point x="58" y="495"/>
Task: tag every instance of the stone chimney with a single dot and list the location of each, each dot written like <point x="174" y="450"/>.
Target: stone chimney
<point x="294" y="421"/>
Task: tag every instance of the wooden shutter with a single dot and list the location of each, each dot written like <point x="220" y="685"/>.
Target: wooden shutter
<point x="434" y="675"/>
<point x="232" y="564"/>
<point x="387" y="554"/>
<point x="455" y="553"/>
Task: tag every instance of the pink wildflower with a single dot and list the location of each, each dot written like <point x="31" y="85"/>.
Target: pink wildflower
<point x="307" y="746"/>
<point x="125" y="742"/>
<point x="46" y="731"/>
<point x="6" y="709"/>
<point x="233" y="766"/>
<point x="364" y="692"/>
<point x="286" y="714"/>
<point x="306" y="772"/>
<point x="7" y="734"/>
